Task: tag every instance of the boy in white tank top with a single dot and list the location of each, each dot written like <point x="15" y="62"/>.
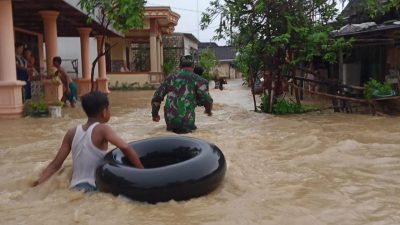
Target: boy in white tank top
<point x="89" y="143"/>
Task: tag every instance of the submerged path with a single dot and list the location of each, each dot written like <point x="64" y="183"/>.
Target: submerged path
<point x="316" y="168"/>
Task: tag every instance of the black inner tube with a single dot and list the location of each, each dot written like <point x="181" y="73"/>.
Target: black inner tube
<point x="176" y="168"/>
<point x="159" y="159"/>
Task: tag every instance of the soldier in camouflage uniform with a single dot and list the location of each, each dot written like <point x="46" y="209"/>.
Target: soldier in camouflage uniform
<point x="185" y="90"/>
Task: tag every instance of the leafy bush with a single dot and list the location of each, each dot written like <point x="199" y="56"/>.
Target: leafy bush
<point x="282" y="106"/>
<point x="38" y="108"/>
<point x="374" y="88"/>
<point x="39" y="105"/>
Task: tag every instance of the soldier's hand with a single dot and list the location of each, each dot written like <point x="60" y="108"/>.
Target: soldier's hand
<point x="156" y="118"/>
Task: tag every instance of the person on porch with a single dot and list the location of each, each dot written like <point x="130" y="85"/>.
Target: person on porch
<point x="69" y="86"/>
<point x="22" y="70"/>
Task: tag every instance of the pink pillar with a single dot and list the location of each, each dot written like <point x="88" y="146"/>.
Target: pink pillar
<point x="153" y="53"/>
<point x="161" y="55"/>
<point x="52" y="90"/>
<point x="153" y="45"/>
<point x="10" y="88"/>
<point x="158" y="47"/>
<point x="84" y="84"/>
<point x="41" y="52"/>
<point x="102" y="81"/>
<point x="50" y="35"/>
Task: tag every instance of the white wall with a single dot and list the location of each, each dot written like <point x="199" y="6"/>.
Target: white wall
<point x="70" y="48"/>
<point x="188" y="44"/>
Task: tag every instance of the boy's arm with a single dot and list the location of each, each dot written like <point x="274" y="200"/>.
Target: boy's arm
<point x="66" y="78"/>
<point x="57" y="162"/>
<point x="114" y="139"/>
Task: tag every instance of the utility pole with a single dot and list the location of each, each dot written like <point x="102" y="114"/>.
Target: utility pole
<point x="198" y="22"/>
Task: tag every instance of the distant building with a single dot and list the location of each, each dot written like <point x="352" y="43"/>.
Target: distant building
<point x="375" y="50"/>
<point x="179" y="44"/>
<point x="226" y="59"/>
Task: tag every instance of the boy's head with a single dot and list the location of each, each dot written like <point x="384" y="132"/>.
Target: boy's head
<point x="198" y="70"/>
<point x="57" y="61"/>
<point x="95" y="103"/>
<point x="19" y="48"/>
<point x="186" y="61"/>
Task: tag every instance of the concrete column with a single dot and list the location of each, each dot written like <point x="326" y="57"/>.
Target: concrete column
<point x="102" y="81"/>
<point x="161" y="55"/>
<point x="84" y="33"/>
<point x="159" y="68"/>
<point x="10" y="88"/>
<point x="50" y="35"/>
<point x="41" y="51"/>
<point x="153" y="45"/>
<point x="84" y="84"/>
<point x="153" y="53"/>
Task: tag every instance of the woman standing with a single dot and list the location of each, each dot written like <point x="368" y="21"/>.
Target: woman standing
<point x="22" y="70"/>
<point x="33" y="75"/>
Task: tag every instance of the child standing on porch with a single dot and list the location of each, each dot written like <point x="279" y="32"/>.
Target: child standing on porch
<point x="70" y="88"/>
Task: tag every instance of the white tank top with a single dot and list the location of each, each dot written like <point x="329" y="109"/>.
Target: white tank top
<point x="85" y="156"/>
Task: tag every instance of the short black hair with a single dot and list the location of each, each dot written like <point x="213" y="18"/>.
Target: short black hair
<point x="94" y="102"/>
<point x="186" y="61"/>
<point x="199" y="70"/>
<point x="18" y="44"/>
<point x="57" y="59"/>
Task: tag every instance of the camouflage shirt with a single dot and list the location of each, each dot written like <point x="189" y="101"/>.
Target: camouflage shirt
<point x="185" y="90"/>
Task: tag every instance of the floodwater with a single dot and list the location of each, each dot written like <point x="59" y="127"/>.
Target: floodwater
<point x="315" y="168"/>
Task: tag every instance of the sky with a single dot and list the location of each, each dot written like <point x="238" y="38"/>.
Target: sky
<point x="190" y="12"/>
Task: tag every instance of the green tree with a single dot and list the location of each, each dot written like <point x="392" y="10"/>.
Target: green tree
<point x="170" y="61"/>
<point x="208" y="61"/>
<point x="270" y="33"/>
<point x="121" y="15"/>
<point x="379" y="7"/>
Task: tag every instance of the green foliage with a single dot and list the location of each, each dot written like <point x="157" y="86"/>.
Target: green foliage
<point x="282" y="106"/>
<point x="39" y="105"/>
<point x="208" y="61"/>
<point x="170" y="63"/>
<point x="121" y="14"/>
<point x="247" y="58"/>
<point x="267" y="29"/>
<point x="38" y="108"/>
<point x="377" y="8"/>
<point x="57" y="103"/>
<point x="374" y="89"/>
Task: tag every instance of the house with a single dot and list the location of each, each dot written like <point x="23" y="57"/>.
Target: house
<point x="376" y="47"/>
<point x="180" y="44"/>
<point x="38" y="22"/>
<point x="226" y="59"/>
<point x="137" y="57"/>
<point x="186" y="43"/>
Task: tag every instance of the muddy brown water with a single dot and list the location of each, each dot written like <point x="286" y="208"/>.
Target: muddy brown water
<point x="315" y="168"/>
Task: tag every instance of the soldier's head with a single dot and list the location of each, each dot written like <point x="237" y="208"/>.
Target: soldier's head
<point x="186" y="61"/>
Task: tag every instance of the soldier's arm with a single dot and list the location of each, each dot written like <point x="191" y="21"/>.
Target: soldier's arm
<point x="204" y="97"/>
<point x="158" y="97"/>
